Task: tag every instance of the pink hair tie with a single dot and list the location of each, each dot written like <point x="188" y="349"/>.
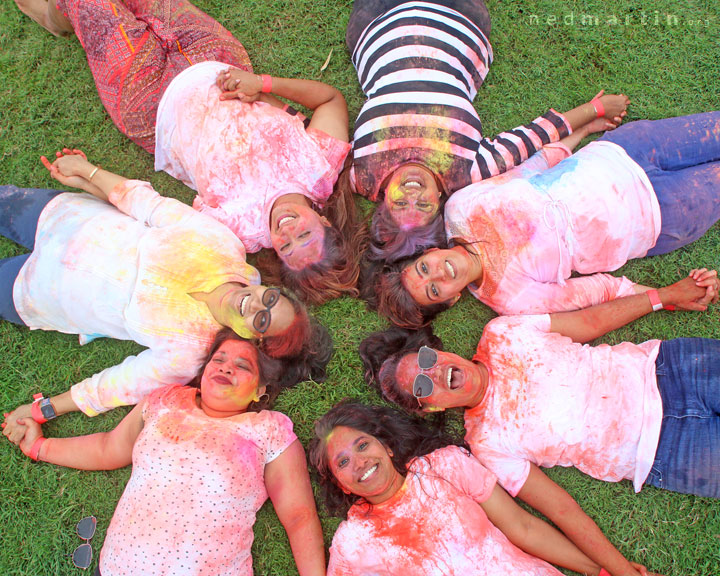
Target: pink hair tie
<point x="35" y="450"/>
<point x="603" y="572"/>
<point x="266" y="83"/>
<point x="599" y="108"/>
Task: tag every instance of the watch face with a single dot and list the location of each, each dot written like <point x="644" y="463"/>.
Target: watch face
<point x="47" y="409"/>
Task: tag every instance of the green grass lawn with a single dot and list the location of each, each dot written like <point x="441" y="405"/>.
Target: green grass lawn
<point x="665" y="55"/>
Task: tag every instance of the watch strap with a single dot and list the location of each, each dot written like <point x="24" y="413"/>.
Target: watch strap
<point x="35" y="410"/>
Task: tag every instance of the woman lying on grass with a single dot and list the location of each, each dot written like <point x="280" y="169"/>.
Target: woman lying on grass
<point x="418" y="137"/>
<point x="126" y="263"/>
<point x="204" y="461"/>
<point x="417" y="503"/>
<point x="647" y="188"/>
<point x="534" y="395"/>
<point x="255" y="167"/>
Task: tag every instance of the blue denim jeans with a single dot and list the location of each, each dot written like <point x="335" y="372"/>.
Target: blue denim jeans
<point x="20" y="210"/>
<point x="365" y="11"/>
<point x="688" y="453"/>
<point x="681" y="157"/>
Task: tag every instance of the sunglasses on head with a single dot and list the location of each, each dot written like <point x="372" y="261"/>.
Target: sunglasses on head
<point x="82" y="555"/>
<point x="262" y="319"/>
<point x="423" y="385"/>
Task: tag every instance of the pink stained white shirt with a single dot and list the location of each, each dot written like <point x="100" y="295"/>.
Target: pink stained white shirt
<point x="536" y="224"/>
<point x="553" y="402"/>
<point x="240" y="157"/>
<point x="434" y="525"/>
<point x="125" y="270"/>
<point x="196" y="485"/>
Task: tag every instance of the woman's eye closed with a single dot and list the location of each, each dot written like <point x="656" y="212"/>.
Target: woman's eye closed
<point x="304" y="235"/>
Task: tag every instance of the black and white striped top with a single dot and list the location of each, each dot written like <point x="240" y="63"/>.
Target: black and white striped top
<point x="420" y="65"/>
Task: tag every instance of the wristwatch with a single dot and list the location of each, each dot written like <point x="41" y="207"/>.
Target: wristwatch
<point x="42" y="409"/>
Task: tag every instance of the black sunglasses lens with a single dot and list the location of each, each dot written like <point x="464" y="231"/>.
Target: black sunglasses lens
<point x="423" y="386"/>
<point x="82" y="556"/>
<point x="270" y="297"/>
<point x="261" y="321"/>
<point x="86" y="527"/>
<point x="427" y="357"/>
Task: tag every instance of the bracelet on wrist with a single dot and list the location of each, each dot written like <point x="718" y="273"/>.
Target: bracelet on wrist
<point x="93" y="173"/>
<point x="35" y="450"/>
<point x="599" y="108"/>
<point x="266" y="83"/>
<point x="655" y="301"/>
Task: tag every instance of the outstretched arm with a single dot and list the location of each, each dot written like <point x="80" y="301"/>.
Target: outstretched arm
<point x="330" y="113"/>
<point x="551" y="500"/>
<point x="288" y="484"/>
<point x="534" y="536"/>
<point x="102" y="451"/>
<point x="71" y="168"/>
<point x="695" y="292"/>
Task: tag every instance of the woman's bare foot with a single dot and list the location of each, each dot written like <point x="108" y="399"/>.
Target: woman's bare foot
<point x="40" y="12"/>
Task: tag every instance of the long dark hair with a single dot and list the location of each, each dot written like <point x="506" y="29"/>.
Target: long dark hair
<point x="305" y="347"/>
<point x="338" y="272"/>
<point x="395" y="302"/>
<point x="406" y="436"/>
<point x="381" y="353"/>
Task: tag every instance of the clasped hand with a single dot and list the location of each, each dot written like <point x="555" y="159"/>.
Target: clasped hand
<point x="696" y="292"/>
<point x="71" y="168"/>
<point x="239" y="84"/>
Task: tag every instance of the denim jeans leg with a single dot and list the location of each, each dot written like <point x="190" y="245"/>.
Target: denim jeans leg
<point x="681" y="157"/>
<point x="688" y="454"/>
<point x="671" y="143"/>
<point x="20" y="210"/>
<point x="9" y="270"/>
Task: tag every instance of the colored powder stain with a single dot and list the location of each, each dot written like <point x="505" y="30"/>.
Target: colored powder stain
<point x="547" y="180"/>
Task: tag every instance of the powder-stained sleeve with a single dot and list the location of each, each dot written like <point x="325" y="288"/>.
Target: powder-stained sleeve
<point x="464" y="471"/>
<point x="512" y="148"/>
<point x="139" y="200"/>
<point x="533" y="297"/>
<point x="338" y="565"/>
<point x="276" y="432"/>
<point x="134" y="378"/>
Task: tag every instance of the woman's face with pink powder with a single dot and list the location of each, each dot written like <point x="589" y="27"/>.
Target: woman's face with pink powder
<point x="412" y="196"/>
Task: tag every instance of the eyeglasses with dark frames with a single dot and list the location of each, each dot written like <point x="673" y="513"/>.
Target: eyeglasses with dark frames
<point x="423" y="386"/>
<point x="263" y="318"/>
<point x="82" y="555"/>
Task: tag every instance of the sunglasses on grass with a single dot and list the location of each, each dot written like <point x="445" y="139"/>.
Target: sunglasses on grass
<point x="262" y="319"/>
<point x="82" y="555"/>
<point x="423" y="386"/>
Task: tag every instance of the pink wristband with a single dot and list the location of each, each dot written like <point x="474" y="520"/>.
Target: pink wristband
<point x="266" y="83"/>
<point x="35" y="411"/>
<point x="604" y="572"/>
<point x="599" y="108"/>
<point x="655" y="301"/>
<point x="35" y="450"/>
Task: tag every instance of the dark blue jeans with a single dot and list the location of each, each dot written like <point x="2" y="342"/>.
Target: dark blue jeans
<point x="20" y="210"/>
<point x="688" y="454"/>
<point x="365" y="11"/>
<point x="681" y="157"/>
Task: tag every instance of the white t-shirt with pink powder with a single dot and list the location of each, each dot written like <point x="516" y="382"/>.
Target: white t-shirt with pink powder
<point x="434" y="525"/>
<point x="196" y="485"/>
<point x="240" y="157"/>
<point x="553" y="402"/>
<point x="535" y="225"/>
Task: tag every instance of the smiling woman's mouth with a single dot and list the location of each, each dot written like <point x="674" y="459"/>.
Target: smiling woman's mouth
<point x="368" y="473"/>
